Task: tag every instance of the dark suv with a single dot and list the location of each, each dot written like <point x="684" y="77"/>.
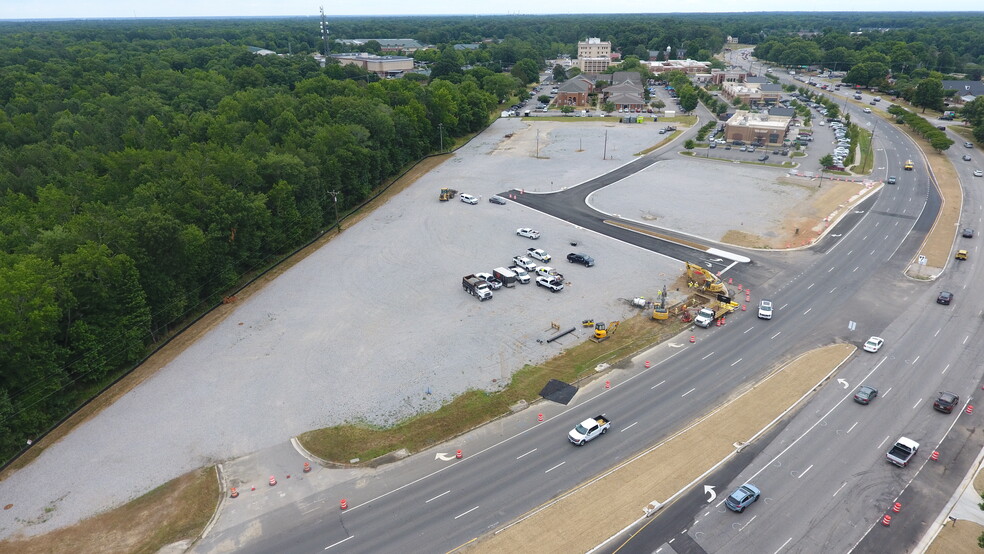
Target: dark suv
<point x="946" y="402"/>
<point x="583" y="259"/>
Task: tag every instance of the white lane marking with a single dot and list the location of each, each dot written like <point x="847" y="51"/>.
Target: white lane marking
<point x="656" y="385"/>
<point x="521" y="455"/>
<point x="466" y="513"/>
<point x="937" y="333"/>
<point x="805" y="470"/>
<point x="811" y="286"/>
<point x="736" y="362"/>
<point x="844" y="484"/>
<point x="855" y="269"/>
<point x="882" y="443"/>
<point x="807" y="311"/>
<point x="832" y="290"/>
<point x="747" y="524"/>
<point x="707" y="356"/>
<point x="849" y="251"/>
<point x="831" y="268"/>
<point x="688" y="392"/>
<point x="965" y="340"/>
<point x="916" y="360"/>
<point x="783" y="545"/>
<point x="776" y="335"/>
<point x="944" y="369"/>
<point x="888" y="391"/>
<point x="852" y="427"/>
<point x="438" y="496"/>
<point x="555" y="467"/>
<point x="339" y="542"/>
<point x="916" y="405"/>
<point x="629" y="427"/>
<point x="749" y="329"/>
<point x="783" y="306"/>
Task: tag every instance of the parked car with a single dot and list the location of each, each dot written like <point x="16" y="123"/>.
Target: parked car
<point x="528" y="233"/>
<point x="524" y="262"/>
<point x="873" y="344"/>
<point x="550" y="283"/>
<point x="945" y="297"/>
<point x="763" y="157"/>
<point x="743" y="497"/>
<point x="521" y="275"/>
<point x="945" y="402"/>
<point x="866" y="110"/>
<point x="583" y="259"/>
<point x="865" y="394"/>
<point x="469" y="199"/>
<point x="968" y="145"/>
<point x="538" y="254"/>
<point x="978" y="173"/>
<point x="497" y="199"/>
<point x="490" y="279"/>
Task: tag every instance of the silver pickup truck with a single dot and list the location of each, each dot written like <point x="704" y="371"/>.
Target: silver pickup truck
<point x="903" y="451"/>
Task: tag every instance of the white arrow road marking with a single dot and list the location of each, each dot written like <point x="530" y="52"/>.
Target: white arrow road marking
<point x="710" y="489"/>
<point x="443" y="457"/>
<point x="843" y="382"/>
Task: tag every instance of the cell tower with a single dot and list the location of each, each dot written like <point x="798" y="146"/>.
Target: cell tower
<point x="324" y="31"/>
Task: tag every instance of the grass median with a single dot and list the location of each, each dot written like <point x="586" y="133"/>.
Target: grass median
<point x="344" y="443"/>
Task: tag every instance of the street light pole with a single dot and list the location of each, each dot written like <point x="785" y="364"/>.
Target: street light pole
<point x="440" y="131"/>
<point x="334" y="194"/>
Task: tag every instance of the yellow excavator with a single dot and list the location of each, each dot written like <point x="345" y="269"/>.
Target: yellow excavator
<point x="659" y="310"/>
<point x="602" y="331"/>
<point x="447" y="194"/>
<point x="703" y="280"/>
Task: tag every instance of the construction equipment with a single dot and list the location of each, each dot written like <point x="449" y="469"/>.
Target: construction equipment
<point x="659" y="310"/>
<point x="447" y="194"/>
<point x="704" y="281"/>
<point x="603" y="331"/>
<point x="587" y="323"/>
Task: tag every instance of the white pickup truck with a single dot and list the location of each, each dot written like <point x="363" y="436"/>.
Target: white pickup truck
<point x="903" y="451"/>
<point x="589" y="429"/>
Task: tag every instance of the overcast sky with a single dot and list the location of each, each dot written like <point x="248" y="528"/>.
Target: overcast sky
<point x="46" y="9"/>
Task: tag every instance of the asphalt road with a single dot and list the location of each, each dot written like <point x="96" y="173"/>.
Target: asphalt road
<point x="824" y="477"/>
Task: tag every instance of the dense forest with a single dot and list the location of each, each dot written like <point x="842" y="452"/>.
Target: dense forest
<point x="148" y="167"/>
<point x="145" y="171"/>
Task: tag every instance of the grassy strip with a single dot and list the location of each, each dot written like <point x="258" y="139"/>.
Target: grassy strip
<point x="867" y="156"/>
<point x="173" y="512"/>
<point x="472" y="408"/>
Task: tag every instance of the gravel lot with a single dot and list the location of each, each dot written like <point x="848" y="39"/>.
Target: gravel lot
<point x="361" y="329"/>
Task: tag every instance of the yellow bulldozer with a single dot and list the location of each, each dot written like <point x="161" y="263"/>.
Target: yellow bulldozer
<point x="447" y="194"/>
<point x="704" y="281"/>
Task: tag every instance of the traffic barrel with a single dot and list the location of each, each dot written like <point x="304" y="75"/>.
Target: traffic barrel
<point x="647" y="363"/>
<point x="234" y="493"/>
<point x="897" y="507"/>
<point x="307" y="467"/>
<point x="739" y="286"/>
<point x="458" y="454"/>
<point x="343" y="504"/>
<point x="935" y="456"/>
<point x="608" y="384"/>
<point x="744" y="307"/>
<point x="887" y="520"/>
<point x="970" y="409"/>
<point x="539" y="417"/>
<point x="273" y="480"/>
<point x="693" y="338"/>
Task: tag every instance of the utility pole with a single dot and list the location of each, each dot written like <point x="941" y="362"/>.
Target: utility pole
<point x="334" y="194"/>
<point x="440" y="130"/>
<point x="604" y="154"/>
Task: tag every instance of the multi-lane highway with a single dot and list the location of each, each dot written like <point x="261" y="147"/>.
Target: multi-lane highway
<point x="824" y="477"/>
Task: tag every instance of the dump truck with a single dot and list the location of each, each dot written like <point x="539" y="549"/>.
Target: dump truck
<point x="476" y="287"/>
<point x="589" y="429"/>
<point x="903" y="451"/>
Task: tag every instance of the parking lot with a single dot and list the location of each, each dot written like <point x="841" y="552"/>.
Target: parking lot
<point x="375" y="326"/>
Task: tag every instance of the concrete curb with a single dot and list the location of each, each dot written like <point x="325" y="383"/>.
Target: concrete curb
<point x="942" y="518"/>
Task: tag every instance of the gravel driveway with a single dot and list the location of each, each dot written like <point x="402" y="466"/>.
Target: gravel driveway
<point x="362" y="328"/>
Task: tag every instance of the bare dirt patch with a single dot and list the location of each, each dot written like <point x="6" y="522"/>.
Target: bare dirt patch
<point x="957" y="536"/>
<point x="173" y="512"/>
<point x="667" y="468"/>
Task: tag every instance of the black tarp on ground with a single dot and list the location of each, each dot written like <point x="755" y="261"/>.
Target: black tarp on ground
<point x="558" y="391"/>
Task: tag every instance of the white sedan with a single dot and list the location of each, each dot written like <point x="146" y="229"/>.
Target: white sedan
<point x="528" y="233"/>
<point x="873" y="344"/>
<point x="978" y="173"/>
<point x="469" y="199"/>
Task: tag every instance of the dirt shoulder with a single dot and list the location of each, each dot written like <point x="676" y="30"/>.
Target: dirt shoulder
<point x="667" y="468"/>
